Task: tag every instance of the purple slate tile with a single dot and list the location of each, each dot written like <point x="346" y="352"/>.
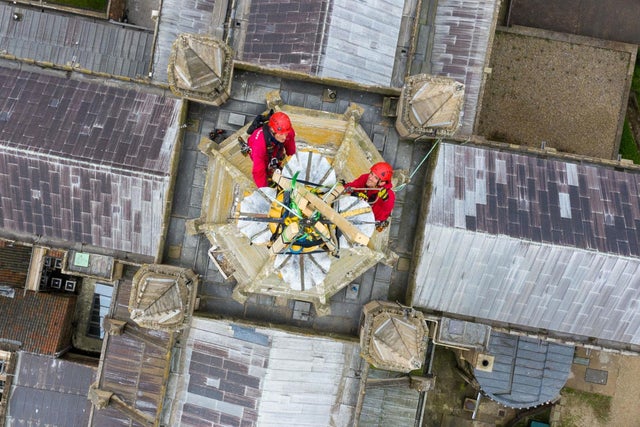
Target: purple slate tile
<point x="188" y="420"/>
<point x="210" y="349"/>
<point x="216" y="372"/>
<point x="235" y="366"/>
<point x="241" y="400"/>
<point x="230" y="388"/>
<point x="246" y="380"/>
<point x="198" y="364"/>
<point x="201" y="413"/>
<point x="229" y="420"/>
<point x="205" y="391"/>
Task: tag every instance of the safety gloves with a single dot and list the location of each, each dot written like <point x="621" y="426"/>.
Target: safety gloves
<point x="381" y="225"/>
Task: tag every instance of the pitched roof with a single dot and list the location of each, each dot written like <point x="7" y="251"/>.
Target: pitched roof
<point x="40" y="322"/>
<point x="532" y="242"/>
<point x="83" y="161"/>
<point x="461" y="43"/>
<point x="134" y="366"/>
<point x="356" y="42"/>
<point x="181" y="16"/>
<point x="242" y="375"/>
<point x="360" y="40"/>
<point x="50" y="391"/>
<point x="68" y="39"/>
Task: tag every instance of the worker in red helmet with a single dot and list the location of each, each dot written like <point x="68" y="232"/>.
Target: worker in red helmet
<point x="270" y="144"/>
<point x="375" y="188"/>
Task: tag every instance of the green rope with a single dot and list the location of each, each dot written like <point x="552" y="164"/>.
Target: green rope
<point x="402" y="186"/>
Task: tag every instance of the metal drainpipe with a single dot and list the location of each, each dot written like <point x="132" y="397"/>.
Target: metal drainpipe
<point x="155" y="40"/>
<point x="413" y="37"/>
<point x="227" y="22"/>
<point x="477" y="405"/>
<point x="63" y="351"/>
<point x="423" y="395"/>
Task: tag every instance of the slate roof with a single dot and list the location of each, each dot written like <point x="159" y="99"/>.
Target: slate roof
<point x="177" y="17"/>
<point x="68" y="39"/>
<point x="85" y="162"/>
<point x="526" y="372"/>
<point x="338" y="39"/>
<point x="461" y="44"/>
<point x="532" y="242"/>
<point x="134" y="366"/>
<point x="40" y="322"/>
<point x="361" y="40"/>
<point x="54" y="389"/>
<point x="287" y="33"/>
<point x="244" y="375"/>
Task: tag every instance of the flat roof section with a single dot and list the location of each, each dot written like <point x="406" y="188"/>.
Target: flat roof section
<point x="569" y="92"/>
<point x="609" y="20"/>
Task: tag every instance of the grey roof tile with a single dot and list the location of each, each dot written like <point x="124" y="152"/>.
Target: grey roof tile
<point x="517" y="382"/>
<point x="337" y="39"/>
<point x="59" y="38"/>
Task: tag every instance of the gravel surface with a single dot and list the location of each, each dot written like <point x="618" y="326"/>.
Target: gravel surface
<point x="624" y="412"/>
<point x="569" y="93"/>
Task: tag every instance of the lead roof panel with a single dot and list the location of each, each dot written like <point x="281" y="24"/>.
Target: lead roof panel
<point x="339" y="39"/>
<point x="86" y="121"/>
<point x="180" y="16"/>
<point x="388" y="405"/>
<point x="526" y="372"/>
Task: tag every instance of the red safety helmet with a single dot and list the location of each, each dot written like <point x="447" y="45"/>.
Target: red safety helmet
<point x="383" y="171"/>
<point x="280" y="123"/>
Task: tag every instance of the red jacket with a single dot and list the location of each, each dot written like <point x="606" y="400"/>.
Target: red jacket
<point x="261" y="157"/>
<point x="381" y="208"/>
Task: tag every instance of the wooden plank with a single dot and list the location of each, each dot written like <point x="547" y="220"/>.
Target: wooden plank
<point x="349" y="230"/>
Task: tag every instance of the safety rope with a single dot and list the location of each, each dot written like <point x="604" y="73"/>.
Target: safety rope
<point x="403" y="185"/>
